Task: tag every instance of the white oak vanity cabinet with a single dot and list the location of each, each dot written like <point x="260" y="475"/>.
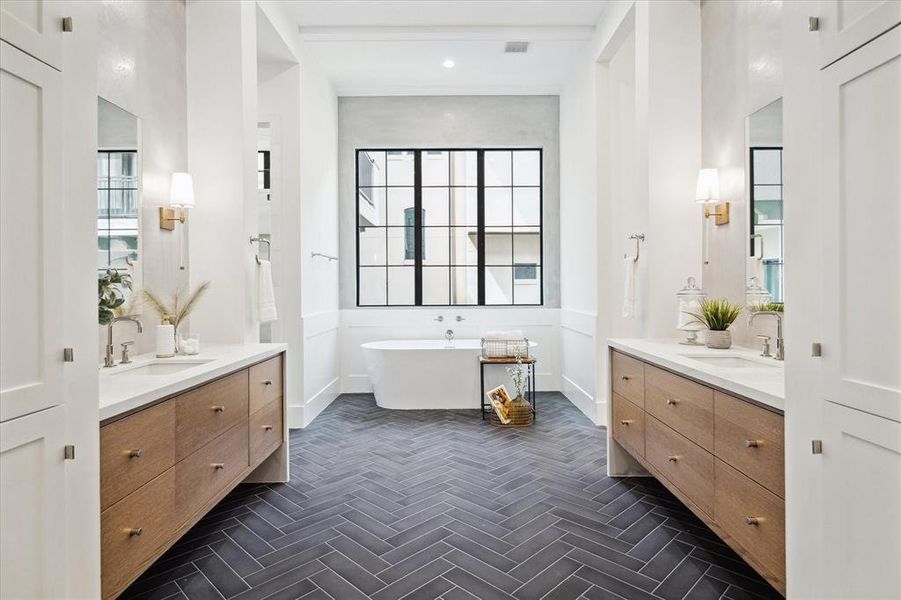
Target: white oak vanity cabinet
<point x="166" y="465"/>
<point x="721" y="455"/>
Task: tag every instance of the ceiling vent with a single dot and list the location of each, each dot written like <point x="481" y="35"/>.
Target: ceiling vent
<point x="516" y="47"/>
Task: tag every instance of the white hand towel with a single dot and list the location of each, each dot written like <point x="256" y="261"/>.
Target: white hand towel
<point x="629" y="288"/>
<point x="266" y="293"/>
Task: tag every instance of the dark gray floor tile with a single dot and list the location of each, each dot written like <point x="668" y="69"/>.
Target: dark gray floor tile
<point x="474" y="566"/>
<point x="433" y="589"/>
<point x="547" y="580"/>
<point x="359" y="577"/>
<point x="605" y="585"/>
<point x="571" y="588"/>
<point x="707" y="588"/>
<point x="197" y="587"/>
<point x="413" y="562"/>
<point x="600" y="551"/>
<point x="540" y="560"/>
<point x="626" y="574"/>
<point x="478" y="536"/>
<point x="221" y="575"/>
<point x="475" y="587"/>
<point x="666" y="560"/>
<point x="336" y="586"/>
<point x="682" y="579"/>
<point x="653" y="543"/>
<point x="486" y="555"/>
<point x="414" y="580"/>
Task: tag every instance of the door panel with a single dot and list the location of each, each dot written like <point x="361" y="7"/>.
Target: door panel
<point x="862" y="480"/>
<point x="31" y="206"/>
<point x="35" y="27"/>
<point x="32" y="496"/>
<point x="861" y="195"/>
<point x="848" y="24"/>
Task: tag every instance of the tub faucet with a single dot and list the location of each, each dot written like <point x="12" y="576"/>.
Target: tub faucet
<point x="780" y="344"/>
<point x="449" y="335"/>
<point x="108" y="360"/>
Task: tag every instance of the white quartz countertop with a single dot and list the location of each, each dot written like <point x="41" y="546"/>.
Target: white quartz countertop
<point x="763" y="382"/>
<point x="146" y="379"/>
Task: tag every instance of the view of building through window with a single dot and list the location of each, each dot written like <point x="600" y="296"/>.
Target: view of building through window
<point x="117" y="208"/>
<point x="449" y="227"/>
<point x="766" y="212"/>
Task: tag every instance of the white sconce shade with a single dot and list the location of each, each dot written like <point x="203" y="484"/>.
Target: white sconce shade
<point x="182" y="191"/>
<point x="708" y="189"/>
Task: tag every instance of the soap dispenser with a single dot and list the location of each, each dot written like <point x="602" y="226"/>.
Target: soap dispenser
<point x="165" y="339"/>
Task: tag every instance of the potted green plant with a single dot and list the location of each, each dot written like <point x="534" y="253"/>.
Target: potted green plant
<point x="717" y="315"/>
<point x="111" y="297"/>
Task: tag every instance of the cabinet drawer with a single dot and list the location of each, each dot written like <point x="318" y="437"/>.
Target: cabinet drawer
<point x="204" y="413"/>
<point x="753" y="516"/>
<point x="628" y="424"/>
<point x="682" y="404"/>
<point x="685" y="464"/>
<point x="266" y="430"/>
<point x="209" y="470"/>
<point x="265" y="383"/>
<point x="133" y="529"/>
<point x="628" y="377"/>
<point x="752" y="440"/>
<point x="134" y="450"/>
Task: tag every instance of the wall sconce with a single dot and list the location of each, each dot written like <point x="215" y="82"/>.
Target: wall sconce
<point x="181" y="198"/>
<point x="708" y="192"/>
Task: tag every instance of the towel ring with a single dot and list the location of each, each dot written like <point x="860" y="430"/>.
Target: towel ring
<point x="261" y="240"/>
<point x="638" y="237"/>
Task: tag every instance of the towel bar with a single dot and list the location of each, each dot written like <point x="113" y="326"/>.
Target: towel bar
<point x="261" y="240"/>
<point x="638" y="237"/>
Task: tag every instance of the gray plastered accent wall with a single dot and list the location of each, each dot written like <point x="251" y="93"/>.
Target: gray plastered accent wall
<point x="449" y="122"/>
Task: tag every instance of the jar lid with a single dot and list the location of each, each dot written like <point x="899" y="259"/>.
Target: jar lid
<point x="691" y="289"/>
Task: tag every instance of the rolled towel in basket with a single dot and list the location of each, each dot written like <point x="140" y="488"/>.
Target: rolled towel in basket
<point x="505" y="347"/>
<point x="513" y="335"/>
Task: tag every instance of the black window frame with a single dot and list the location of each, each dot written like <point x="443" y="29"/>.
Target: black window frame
<point x="418" y="213"/>
<point x="107" y="153"/>
<point x="752" y="185"/>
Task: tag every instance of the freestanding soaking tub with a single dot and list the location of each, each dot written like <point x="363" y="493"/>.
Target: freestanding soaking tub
<point x="425" y="374"/>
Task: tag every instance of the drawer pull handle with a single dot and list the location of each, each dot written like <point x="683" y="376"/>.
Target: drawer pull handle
<point x="672" y="401"/>
<point x="218" y="466"/>
<point x="136" y="453"/>
<point x="134" y="531"/>
<point x="267" y="427"/>
<point x="625" y="377"/>
<point x="626" y="422"/>
<point x="753" y="520"/>
<point x="672" y="458"/>
<point x="267" y="382"/>
<point x="218" y="408"/>
<point x="753" y="443"/>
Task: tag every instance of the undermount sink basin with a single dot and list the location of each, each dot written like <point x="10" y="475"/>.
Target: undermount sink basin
<point x="731" y="362"/>
<point x="162" y="367"/>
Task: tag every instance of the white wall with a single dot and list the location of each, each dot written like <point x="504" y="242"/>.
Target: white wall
<point x="141" y="68"/>
<point x="742" y="73"/>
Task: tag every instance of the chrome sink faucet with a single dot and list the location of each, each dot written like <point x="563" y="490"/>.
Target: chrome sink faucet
<point x="108" y="360"/>
<point x="780" y="344"/>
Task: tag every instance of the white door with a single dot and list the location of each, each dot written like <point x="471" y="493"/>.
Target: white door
<point x="862" y="496"/>
<point x="31" y="207"/>
<point x="35" y="27"/>
<point x="32" y="497"/>
<point x="849" y="24"/>
<point x="860" y="200"/>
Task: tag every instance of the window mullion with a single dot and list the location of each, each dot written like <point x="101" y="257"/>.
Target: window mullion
<point x="417" y="226"/>
<point x="480" y="223"/>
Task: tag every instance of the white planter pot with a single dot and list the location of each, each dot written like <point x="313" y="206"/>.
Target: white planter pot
<point x="719" y="339"/>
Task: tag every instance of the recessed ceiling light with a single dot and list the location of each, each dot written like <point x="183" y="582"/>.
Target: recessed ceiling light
<point x="448" y="63"/>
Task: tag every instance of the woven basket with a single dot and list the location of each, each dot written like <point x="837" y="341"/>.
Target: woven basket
<point x="520" y="413"/>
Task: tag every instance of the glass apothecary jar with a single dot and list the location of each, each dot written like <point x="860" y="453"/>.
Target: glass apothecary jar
<point x="689" y="298"/>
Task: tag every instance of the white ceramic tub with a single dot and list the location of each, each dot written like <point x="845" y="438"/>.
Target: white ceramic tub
<point x="424" y="374"/>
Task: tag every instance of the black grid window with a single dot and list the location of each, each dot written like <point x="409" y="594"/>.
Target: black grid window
<point x="449" y="227"/>
<point x="117" y="208"/>
<point x="766" y="216"/>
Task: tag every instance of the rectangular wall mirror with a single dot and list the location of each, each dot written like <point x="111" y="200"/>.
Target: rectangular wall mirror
<point x="118" y="190"/>
<point x="766" y="236"/>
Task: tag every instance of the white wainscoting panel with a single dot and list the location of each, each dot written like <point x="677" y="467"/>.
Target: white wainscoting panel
<point x="579" y="363"/>
<point x="320" y="366"/>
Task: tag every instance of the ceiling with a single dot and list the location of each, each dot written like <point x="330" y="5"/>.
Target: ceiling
<point x="376" y="47"/>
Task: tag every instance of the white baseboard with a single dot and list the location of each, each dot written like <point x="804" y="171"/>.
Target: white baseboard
<point x="301" y="416"/>
<point x="581" y="399"/>
<point x="356" y="384"/>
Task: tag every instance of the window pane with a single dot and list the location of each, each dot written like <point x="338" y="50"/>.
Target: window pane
<point x="498" y="285"/>
<point x="464" y="246"/>
<point x="498" y="207"/>
<point x="400" y="285"/>
<point x="435" y="168"/>
<point x="526" y="167"/>
<point x="464" y="285"/>
<point x="373" y="246"/>
<point x="435" y="206"/>
<point x="527" y="284"/>
<point x="464" y="168"/>
<point x="464" y="206"/>
<point x="767" y="166"/>
<point x="767" y="192"/>
<point x="400" y="246"/>
<point x="435" y="285"/>
<point x="400" y="167"/>
<point x="527" y="206"/>
<point x="526" y="247"/>
<point x="399" y="200"/>
<point x="436" y="246"/>
<point x="372" y="206"/>
<point x="497" y="168"/>
<point x="371" y="169"/>
<point x="372" y="286"/>
<point x="498" y="248"/>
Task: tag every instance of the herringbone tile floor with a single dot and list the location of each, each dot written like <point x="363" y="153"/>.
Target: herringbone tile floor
<point x="436" y="504"/>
